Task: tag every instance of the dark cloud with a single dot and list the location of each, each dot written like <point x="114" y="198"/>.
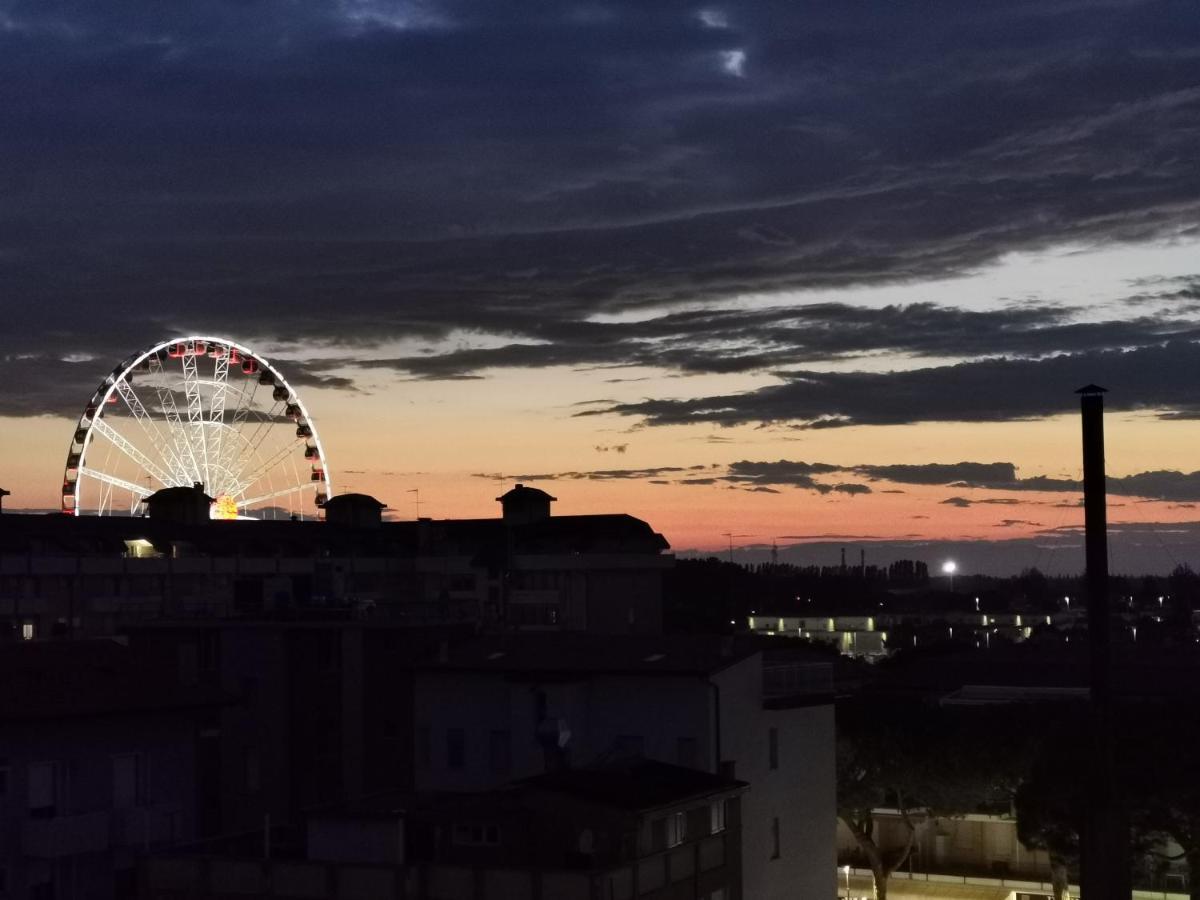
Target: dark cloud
<point x="1156" y="378"/>
<point x="851" y="488"/>
<point x="1176" y="487"/>
<point x="963" y="473"/>
<point x="333" y="175"/>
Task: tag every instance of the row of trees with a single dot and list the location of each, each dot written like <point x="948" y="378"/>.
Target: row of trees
<point x="943" y="762"/>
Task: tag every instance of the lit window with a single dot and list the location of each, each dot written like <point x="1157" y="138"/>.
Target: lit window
<point x="716" y="817"/>
<point x="676" y="829"/>
<point x="27" y="631"/>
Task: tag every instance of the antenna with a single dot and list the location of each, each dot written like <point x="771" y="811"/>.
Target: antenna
<point x="416" y="492"/>
<point x="731" y="536"/>
<point x="774" y="552"/>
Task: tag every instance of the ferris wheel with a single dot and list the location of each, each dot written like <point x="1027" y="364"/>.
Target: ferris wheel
<point x="197" y="411"/>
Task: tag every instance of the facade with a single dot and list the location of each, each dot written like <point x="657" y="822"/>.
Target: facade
<point x="101" y="758"/>
<point x="494" y="709"/>
<point x="629" y="829"/>
<point x="87" y="576"/>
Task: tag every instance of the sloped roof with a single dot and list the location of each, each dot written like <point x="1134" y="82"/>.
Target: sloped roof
<point x="635" y="784"/>
<point x="581" y="653"/>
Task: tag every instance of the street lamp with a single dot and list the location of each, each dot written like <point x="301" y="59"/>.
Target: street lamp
<point x="949" y="567"/>
<point x="846" y="872"/>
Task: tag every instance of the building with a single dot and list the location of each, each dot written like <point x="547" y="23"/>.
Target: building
<point x="628" y="829"/>
<point x="508" y="707"/>
<point x="66" y="575"/>
<point x="102" y="756"/>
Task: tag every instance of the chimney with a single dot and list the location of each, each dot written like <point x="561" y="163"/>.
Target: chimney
<point x="523" y="505"/>
<point x="1104" y="864"/>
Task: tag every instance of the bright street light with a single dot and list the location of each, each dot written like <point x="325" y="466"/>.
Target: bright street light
<point x="949" y="567"/>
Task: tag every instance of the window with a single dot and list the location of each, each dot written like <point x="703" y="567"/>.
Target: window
<point x="676" y="829"/>
<point x="43" y="790"/>
<point x="499" y="753"/>
<point x="716" y="816"/>
<point x="456" y="748"/>
<point x="129" y="781"/>
<point x="27" y="631"/>
<point x="775" y="838"/>
<point x="773" y="748"/>
<point x="685" y="752"/>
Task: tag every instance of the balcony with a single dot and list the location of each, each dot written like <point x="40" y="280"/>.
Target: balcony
<point x="146" y="826"/>
<point x="65" y="835"/>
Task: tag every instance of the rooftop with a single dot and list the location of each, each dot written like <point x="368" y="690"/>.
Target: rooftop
<point x="635" y="784"/>
<point x="580" y="653"/>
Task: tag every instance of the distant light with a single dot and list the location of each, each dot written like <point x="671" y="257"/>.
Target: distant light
<point x="949" y="567"/>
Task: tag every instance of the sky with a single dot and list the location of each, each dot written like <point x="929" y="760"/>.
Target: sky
<point x="813" y="274"/>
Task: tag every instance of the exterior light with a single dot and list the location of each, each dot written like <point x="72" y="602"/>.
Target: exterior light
<point x="949" y="567"/>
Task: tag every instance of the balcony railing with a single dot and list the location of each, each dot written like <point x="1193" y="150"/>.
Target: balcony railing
<point x="66" y="835"/>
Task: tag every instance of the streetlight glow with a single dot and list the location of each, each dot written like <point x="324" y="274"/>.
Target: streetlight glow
<point x="949" y="567"/>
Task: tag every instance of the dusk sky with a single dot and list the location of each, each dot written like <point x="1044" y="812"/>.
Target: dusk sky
<point x="793" y="272"/>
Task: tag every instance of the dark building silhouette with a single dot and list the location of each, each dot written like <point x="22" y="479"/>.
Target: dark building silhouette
<point x="523" y="505"/>
<point x="182" y="505"/>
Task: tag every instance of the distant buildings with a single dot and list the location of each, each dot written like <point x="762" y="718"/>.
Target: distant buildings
<point x="62" y="575"/>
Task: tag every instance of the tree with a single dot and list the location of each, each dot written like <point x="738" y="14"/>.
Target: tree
<point x="1161" y="768"/>
<point x="920" y="761"/>
<point x="1049" y="807"/>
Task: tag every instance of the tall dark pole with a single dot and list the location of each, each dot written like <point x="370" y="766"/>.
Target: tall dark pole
<point x="1105" y="854"/>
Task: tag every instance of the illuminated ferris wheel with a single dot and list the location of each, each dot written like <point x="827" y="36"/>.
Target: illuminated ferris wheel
<point x="197" y="410"/>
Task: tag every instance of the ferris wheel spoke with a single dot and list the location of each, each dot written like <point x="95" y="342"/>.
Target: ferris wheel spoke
<point x="112" y="481"/>
<point x="274" y="460"/>
<point x="231" y="442"/>
<point x="195" y="413"/>
<point x="216" y="412"/>
<point x="183" y="448"/>
<point x="252" y="444"/>
<point x="118" y="440"/>
<point x="148" y="425"/>
<point x="282" y="492"/>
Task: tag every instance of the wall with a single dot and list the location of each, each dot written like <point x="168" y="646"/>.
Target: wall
<point x="800" y="792"/>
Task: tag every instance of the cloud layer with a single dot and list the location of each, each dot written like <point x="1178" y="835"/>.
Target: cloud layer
<point x="376" y="169"/>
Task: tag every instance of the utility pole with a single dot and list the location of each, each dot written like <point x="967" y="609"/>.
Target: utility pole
<point x="731" y="536"/>
<point x="1104" y="860"/>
